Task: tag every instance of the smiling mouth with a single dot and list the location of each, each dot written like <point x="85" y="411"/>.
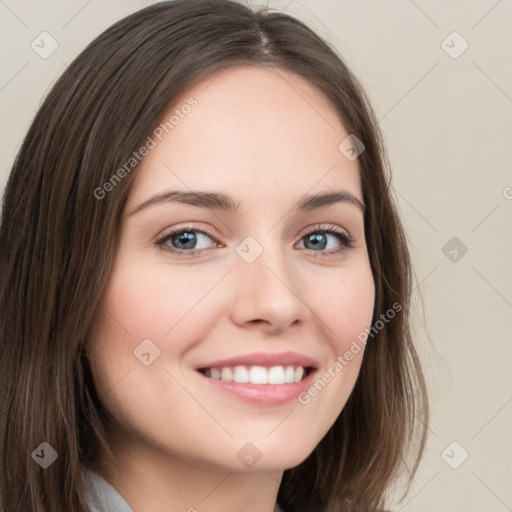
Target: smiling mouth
<point x="255" y="374"/>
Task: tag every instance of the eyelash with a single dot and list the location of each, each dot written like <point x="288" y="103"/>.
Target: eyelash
<point x="347" y="241"/>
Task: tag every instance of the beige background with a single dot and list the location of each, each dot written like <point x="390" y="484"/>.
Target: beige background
<point x="448" y="127"/>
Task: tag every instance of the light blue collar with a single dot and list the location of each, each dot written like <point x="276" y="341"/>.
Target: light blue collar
<point x="102" y="497"/>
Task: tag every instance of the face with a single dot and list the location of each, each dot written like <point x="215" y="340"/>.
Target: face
<point x="254" y="284"/>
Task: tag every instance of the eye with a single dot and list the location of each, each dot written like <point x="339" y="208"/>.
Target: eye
<point x="186" y="241"/>
<point x="328" y="239"/>
<point x="190" y="241"/>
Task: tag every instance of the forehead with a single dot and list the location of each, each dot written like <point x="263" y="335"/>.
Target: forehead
<point x="260" y="132"/>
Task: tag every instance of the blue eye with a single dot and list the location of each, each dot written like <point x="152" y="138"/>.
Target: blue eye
<point x="318" y="240"/>
<point x="189" y="241"/>
<point x="184" y="241"/>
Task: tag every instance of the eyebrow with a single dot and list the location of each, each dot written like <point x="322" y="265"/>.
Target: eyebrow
<point x="219" y="201"/>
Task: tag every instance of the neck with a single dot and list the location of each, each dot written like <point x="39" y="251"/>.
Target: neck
<point x="149" y="479"/>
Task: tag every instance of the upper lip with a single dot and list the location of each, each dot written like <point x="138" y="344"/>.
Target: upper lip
<point x="264" y="359"/>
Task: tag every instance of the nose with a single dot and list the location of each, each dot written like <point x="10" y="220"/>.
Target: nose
<point x="268" y="295"/>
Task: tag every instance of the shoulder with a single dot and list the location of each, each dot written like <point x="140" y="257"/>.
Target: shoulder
<point x="101" y="496"/>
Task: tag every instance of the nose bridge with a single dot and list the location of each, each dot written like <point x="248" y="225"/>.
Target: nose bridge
<point x="258" y="254"/>
<point x="266" y="287"/>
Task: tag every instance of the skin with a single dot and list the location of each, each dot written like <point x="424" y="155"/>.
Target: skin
<point x="264" y="137"/>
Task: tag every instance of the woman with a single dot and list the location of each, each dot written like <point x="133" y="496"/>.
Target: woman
<point x="205" y="283"/>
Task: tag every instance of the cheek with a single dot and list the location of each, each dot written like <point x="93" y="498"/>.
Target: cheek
<point x="139" y="307"/>
<point x="147" y="302"/>
<point x="344" y="304"/>
<point x="155" y="301"/>
<point x="344" y="309"/>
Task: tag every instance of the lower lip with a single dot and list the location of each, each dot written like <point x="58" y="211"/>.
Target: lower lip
<point x="267" y="394"/>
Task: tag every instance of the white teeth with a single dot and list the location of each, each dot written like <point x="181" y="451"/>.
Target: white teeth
<point x="257" y="374"/>
<point x="289" y="374"/>
<point x="226" y="374"/>
<point x="241" y="374"/>
<point x="276" y="375"/>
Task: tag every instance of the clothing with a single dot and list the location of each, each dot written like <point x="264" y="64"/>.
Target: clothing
<point x="102" y="497"/>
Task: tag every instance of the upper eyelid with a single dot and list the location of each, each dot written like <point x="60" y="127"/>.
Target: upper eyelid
<point x="306" y="231"/>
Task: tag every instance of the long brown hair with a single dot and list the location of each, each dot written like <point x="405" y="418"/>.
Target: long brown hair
<point x="58" y="241"/>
